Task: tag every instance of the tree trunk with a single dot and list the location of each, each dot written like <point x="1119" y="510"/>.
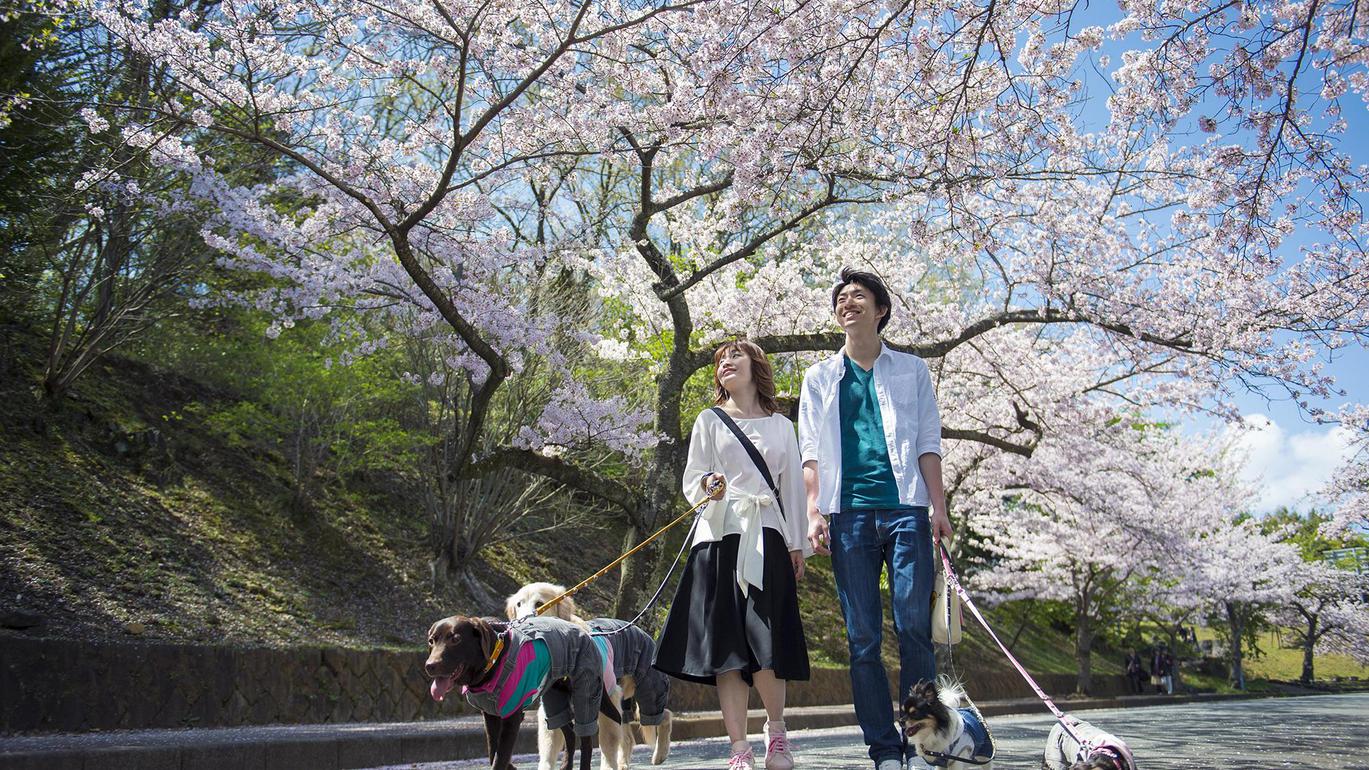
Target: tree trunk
<point x="1233" y="617"/>
<point x="641" y="573"/>
<point x="1083" y="652"/>
<point x="442" y="534"/>
<point x="482" y="597"/>
<point x="1309" y="644"/>
<point x="629" y="574"/>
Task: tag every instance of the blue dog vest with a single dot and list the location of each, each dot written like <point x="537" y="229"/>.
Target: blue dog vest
<point x="973" y="742"/>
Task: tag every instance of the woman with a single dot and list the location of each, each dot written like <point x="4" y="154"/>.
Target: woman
<point x="735" y="619"/>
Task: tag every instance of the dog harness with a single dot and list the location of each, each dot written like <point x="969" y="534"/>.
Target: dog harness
<point x="606" y="654"/>
<point x="1063" y="749"/>
<point x="973" y="742"/>
<point x="517" y="682"/>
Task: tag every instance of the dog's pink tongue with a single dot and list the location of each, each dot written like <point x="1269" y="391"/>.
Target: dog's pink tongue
<point x="441" y="686"/>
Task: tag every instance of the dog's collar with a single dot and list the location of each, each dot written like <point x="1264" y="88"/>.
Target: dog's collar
<point x="494" y="657"/>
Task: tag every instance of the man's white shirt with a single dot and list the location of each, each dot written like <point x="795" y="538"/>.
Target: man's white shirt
<point x="907" y="408"/>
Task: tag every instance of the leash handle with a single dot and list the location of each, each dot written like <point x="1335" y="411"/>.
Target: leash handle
<point x="953" y="580"/>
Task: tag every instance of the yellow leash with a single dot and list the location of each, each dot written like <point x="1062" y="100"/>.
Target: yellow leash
<point x="571" y="591"/>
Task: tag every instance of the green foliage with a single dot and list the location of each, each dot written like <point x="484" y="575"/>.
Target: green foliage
<point x="1305" y="531"/>
<point x="38" y="157"/>
<point x="298" y="399"/>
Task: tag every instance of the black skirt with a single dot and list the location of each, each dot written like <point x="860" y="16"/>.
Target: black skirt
<point x="713" y="628"/>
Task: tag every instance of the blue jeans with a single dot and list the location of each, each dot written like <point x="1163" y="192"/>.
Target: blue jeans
<point x="862" y="543"/>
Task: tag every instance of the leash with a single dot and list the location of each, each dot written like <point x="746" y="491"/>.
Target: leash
<point x="944" y="760"/>
<point x="950" y="646"/>
<point x="664" y="582"/>
<point x="572" y="590"/>
<point x="953" y="581"/>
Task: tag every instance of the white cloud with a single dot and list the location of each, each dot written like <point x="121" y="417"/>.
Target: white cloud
<point x="1288" y="469"/>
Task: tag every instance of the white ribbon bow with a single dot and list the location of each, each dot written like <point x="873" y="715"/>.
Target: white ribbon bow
<point x="751" y="550"/>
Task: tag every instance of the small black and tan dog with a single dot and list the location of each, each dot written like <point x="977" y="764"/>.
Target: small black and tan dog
<point x="1101" y="750"/>
<point x="944" y="727"/>
<point x="504" y="672"/>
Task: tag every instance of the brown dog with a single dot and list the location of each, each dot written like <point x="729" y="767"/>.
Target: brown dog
<point x="502" y="673"/>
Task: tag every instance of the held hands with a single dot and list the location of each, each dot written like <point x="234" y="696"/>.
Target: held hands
<point x="714" y="486"/>
<point x="817" y="532"/>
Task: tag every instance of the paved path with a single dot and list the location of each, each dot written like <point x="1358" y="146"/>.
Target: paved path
<point x="1328" y="732"/>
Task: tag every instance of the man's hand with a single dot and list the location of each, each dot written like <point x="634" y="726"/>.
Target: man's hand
<point x="941" y="526"/>
<point x="796" y="558"/>
<point x="817" y="532"/>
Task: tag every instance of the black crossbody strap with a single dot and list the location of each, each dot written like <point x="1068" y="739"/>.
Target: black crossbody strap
<point x="755" y="455"/>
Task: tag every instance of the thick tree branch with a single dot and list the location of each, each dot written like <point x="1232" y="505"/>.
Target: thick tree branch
<point x="562" y="472"/>
<point x="794" y="343"/>
<point x="961" y="434"/>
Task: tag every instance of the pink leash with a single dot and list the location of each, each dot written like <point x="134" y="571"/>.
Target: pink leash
<point x="954" y="581"/>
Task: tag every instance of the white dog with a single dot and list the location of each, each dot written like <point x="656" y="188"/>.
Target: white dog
<point x="1104" y="751"/>
<point x="629" y="651"/>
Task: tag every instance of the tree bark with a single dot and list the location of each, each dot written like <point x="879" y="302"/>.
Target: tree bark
<point x="1083" y="651"/>
<point x="642" y="572"/>
<point x="1309" y="644"/>
<point x="1233" y="617"/>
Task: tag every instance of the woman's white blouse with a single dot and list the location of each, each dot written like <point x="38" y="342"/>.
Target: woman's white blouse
<point x="748" y="501"/>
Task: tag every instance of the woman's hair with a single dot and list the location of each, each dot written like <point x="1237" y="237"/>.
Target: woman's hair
<point x="761" y="374"/>
<point x="872" y="284"/>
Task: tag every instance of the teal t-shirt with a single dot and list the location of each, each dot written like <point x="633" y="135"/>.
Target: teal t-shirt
<point x="867" y="480"/>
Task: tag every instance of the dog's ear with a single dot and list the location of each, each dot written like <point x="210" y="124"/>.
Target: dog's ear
<point x="923" y="688"/>
<point x="511" y="607"/>
<point x="566" y="609"/>
<point x="488" y="636"/>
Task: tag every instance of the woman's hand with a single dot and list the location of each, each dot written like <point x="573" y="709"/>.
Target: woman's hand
<point x="796" y="558"/>
<point x="714" y="485"/>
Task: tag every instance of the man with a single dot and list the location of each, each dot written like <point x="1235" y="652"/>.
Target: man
<point x="870" y="436"/>
<point x="1136" y="672"/>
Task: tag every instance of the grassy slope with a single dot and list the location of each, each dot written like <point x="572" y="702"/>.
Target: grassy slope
<point x="1285" y="664"/>
<point x="195" y="542"/>
<point x="199" y="546"/>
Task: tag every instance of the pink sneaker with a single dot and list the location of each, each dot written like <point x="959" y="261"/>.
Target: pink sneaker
<point x="777" y="754"/>
<point x="742" y="760"/>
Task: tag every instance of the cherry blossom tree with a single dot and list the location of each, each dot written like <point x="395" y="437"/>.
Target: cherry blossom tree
<point x="1097" y="522"/>
<point x="1327" y="613"/>
<point x="1244" y="588"/>
<point x="706" y="165"/>
<point x="1349" y="485"/>
<point x="1327" y="609"/>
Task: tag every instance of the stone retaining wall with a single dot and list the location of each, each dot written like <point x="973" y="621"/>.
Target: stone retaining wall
<point x="59" y="685"/>
<point x="67" y="686"/>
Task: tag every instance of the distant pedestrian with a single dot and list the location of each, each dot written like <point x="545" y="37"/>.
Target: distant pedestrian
<point x="1135" y="671"/>
<point x="1162" y="670"/>
<point x="1171" y="673"/>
